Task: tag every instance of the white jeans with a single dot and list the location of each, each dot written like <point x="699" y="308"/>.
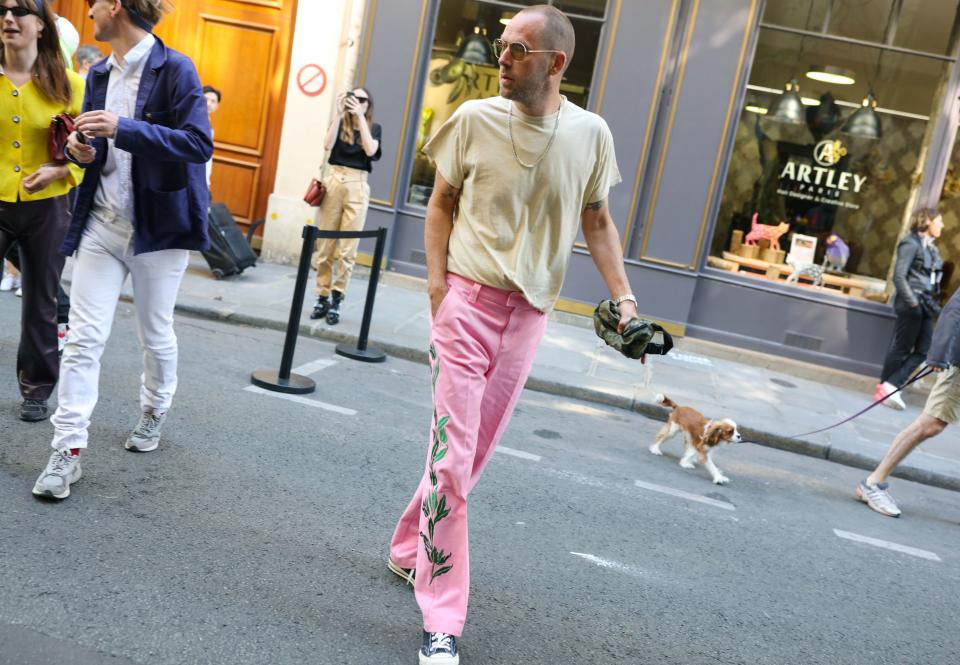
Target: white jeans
<point x="104" y="259"/>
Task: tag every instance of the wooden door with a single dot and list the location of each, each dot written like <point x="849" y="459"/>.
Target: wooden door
<point x="241" y="47"/>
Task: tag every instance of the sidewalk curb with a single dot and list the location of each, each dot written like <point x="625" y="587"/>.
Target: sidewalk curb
<point x="650" y="410"/>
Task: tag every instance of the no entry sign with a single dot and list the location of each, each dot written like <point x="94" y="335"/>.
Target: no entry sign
<point x="311" y="79"/>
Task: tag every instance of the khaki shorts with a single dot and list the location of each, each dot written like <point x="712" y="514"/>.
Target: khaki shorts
<point x="944" y="400"/>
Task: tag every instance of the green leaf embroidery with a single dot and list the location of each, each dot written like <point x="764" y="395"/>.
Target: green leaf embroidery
<point x="439" y="572"/>
<point x="435" y="504"/>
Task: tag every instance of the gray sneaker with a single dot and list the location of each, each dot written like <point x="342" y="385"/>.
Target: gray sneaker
<point x="146" y="435"/>
<point x="878" y="498"/>
<point x="63" y="469"/>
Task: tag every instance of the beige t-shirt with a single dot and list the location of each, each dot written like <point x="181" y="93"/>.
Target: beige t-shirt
<point x="515" y="226"/>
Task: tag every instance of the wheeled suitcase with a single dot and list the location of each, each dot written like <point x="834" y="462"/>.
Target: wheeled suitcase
<point x="229" y="252"/>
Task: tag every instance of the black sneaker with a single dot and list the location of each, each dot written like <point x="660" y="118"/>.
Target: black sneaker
<point x="439" y="649"/>
<point x="33" y="410"/>
<point x="321" y="308"/>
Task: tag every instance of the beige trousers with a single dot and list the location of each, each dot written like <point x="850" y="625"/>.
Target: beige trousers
<point x="344" y="208"/>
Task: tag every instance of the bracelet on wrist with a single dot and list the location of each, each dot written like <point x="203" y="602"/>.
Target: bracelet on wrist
<point x="629" y="296"/>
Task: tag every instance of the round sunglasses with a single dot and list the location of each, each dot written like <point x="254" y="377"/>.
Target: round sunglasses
<point x="518" y="50"/>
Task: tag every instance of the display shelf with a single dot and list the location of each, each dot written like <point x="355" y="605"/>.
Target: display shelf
<point x="852" y="286"/>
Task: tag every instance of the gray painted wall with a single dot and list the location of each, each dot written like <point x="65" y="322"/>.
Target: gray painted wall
<point x="852" y="335"/>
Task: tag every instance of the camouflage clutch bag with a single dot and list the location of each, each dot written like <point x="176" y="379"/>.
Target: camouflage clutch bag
<point x="635" y="340"/>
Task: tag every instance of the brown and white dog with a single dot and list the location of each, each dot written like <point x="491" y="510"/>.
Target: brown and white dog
<point x="701" y="436"/>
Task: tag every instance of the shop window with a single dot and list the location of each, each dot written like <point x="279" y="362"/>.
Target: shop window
<point x="818" y="185"/>
<point x="462" y="66"/>
<point x="949" y="242"/>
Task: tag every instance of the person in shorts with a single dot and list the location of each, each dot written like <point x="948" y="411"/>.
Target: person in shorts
<point x="942" y="409"/>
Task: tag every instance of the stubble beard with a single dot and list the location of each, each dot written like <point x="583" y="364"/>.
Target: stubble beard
<point x="532" y="89"/>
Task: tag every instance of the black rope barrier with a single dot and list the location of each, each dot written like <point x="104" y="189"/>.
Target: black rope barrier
<point x="283" y="380"/>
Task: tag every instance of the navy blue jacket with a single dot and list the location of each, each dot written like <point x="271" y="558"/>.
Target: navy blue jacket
<point x="945" y="346"/>
<point x="169" y="138"/>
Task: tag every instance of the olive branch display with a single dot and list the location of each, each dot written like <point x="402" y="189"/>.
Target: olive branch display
<point x="434" y="506"/>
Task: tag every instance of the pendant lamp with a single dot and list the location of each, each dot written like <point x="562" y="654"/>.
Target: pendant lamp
<point x="786" y="119"/>
<point x="476" y="49"/>
<point x="864" y="123"/>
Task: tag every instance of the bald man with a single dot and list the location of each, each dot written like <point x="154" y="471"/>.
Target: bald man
<point x="519" y="173"/>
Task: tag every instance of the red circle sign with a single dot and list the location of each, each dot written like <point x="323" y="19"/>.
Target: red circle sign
<point x="311" y="79"/>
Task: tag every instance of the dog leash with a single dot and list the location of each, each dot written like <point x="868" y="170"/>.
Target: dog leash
<point x="924" y="371"/>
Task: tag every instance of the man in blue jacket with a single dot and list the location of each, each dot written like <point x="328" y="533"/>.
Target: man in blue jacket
<point x="942" y="408"/>
<point x="144" y="137"/>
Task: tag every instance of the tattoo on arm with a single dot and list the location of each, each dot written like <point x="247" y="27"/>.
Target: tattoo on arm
<point x="597" y="205"/>
<point x="450" y="193"/>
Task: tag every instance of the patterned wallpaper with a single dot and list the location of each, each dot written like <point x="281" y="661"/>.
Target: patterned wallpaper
<point x="872" y="231"/>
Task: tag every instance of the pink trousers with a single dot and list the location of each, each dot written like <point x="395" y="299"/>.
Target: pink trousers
<point x="482" y="344"/>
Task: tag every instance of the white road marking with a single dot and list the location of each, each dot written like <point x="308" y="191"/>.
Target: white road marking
<point x="887" y="545"/>
<point x="315" y="366"/>
<point x="302" y="400"/>
<point x="685" y="495"/>
<point x="518" y="453"/>
<point x="690" y="358"/>
<point x="606" y="563"/>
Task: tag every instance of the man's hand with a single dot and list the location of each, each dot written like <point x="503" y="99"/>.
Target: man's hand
<point x="101" y="124"/>
<point x="628" y="311"/>
<point x="81" y="152"/>
<point x="437" y="293"/>
<point x="42" y="177"/>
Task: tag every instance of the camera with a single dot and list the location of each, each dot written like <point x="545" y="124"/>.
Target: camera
<point x="350" y="95"/>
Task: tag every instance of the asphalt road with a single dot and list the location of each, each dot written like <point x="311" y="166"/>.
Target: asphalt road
<point x="257" y="533"/>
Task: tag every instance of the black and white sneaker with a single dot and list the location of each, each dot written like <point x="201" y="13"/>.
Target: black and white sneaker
<point x="439" y="649"/>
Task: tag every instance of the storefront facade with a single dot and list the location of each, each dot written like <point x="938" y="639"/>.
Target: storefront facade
<point x="693" y="93"/>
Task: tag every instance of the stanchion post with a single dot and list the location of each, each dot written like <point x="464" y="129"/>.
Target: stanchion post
<point x="361" y="352"/>
<point x="283" y="381"/>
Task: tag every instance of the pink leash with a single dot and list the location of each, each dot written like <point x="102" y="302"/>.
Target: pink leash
<point x="926" y="371"/>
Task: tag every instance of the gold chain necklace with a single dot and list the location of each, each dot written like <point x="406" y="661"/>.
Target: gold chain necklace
<point x="553" y="136"/>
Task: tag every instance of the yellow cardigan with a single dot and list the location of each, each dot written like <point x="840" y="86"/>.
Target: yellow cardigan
<point x="25" y="116"/>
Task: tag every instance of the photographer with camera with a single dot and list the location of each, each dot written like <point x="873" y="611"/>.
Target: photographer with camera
<point x="353" y="140"/>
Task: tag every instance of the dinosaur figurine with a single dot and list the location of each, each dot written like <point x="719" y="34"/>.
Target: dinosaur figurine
<point x="771" y="233"/>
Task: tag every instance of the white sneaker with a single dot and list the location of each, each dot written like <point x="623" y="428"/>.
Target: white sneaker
<point x="19" y="291"/>
<point x="63" y="469"/>
<point x="9" y="282"/>
<point x="894" y="401"/>
<point x="878" y="498"/>
<point x="62" y="330"/>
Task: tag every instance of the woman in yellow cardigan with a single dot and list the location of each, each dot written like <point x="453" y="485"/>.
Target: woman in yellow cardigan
<point x="35" y="85"/>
